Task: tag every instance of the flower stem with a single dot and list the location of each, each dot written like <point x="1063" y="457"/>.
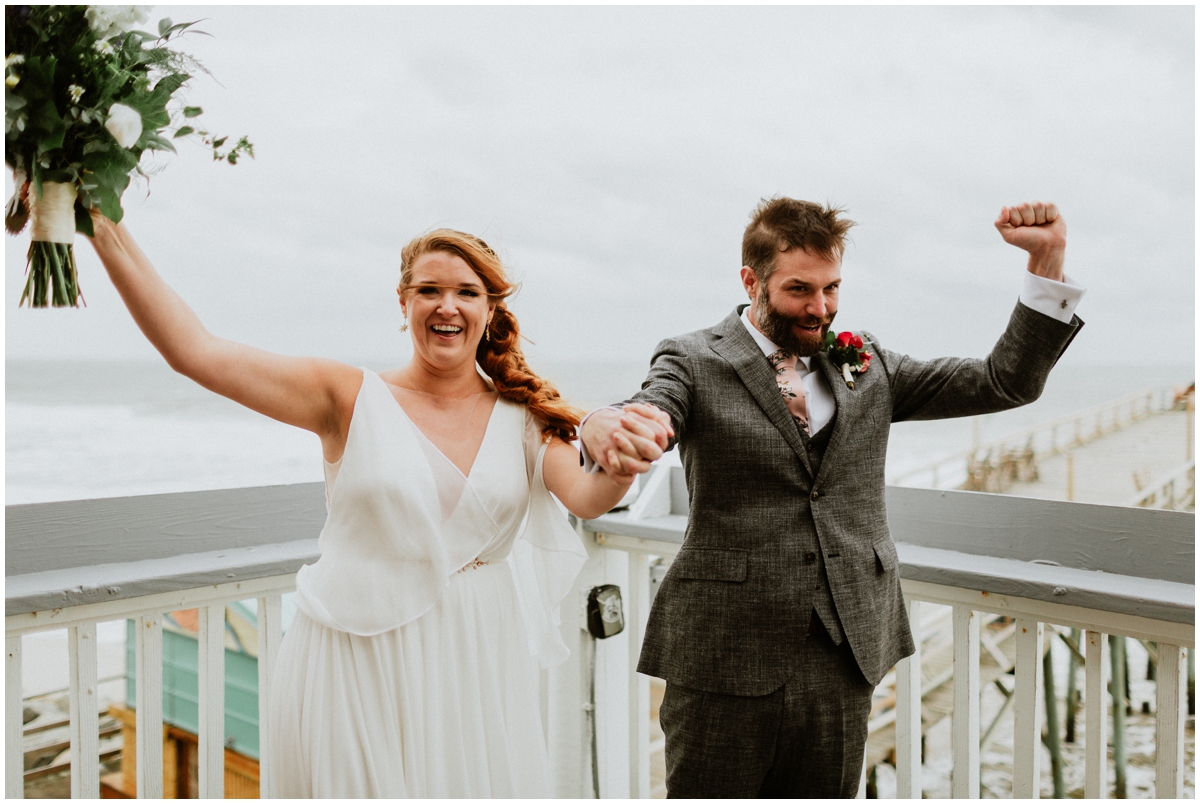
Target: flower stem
<point x="52" y="276"/>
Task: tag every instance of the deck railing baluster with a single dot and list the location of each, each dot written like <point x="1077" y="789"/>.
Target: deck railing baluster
<point x="270" y="633"/>
<point x="1095" y="781"/>
<point x="85" y="714"/>
<point x="1169" y="738"/>
<point x="964" y="723"/>
<point x="14" y="720"/>
<point x="1027" y="728"/>
<point x="211" y="672"/>
<point x="908" y="713"/>
<point x="639" y="685"/>
<point x="149" y="670"/>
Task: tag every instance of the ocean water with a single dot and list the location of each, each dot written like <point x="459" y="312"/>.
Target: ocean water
<point x="81" y="430"/>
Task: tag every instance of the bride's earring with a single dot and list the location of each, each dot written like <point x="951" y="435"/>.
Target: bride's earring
<point x="404" y="326"/>
<point x="487" y="330"/>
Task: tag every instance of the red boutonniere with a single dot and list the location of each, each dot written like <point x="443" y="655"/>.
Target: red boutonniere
<point x="846" y="351"/>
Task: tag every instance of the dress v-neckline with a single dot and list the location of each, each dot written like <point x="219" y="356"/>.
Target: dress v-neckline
<point x="466" y="476"/>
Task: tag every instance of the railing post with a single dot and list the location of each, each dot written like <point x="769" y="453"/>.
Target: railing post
<point x="1095" y="783"/>
<point x="908" y="713"/>
<point x="14" y="721"/>
<point x="149" y="706"/>
<point x="964" y="722"/>
<point x="1027" y="729"/>
<point x="85" y="715"/>
<point x="613" y="707"/>
<point x="270" y="630"/>
<point x="1169" y="737"/>
<point x="639" y="685"/>
<point x="211" y="673"/>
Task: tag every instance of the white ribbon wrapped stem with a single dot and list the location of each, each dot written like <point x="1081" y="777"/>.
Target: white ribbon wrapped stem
<point x="52" y="217"/>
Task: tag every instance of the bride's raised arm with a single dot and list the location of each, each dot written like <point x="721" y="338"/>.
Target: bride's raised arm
<point x="313" y="393"/>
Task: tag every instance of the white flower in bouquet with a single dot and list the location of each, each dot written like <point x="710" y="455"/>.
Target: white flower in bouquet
<point x="76" y="92"/>
<point x="11" y="79"/>
<point x="125" y="124"/>
<point x="109" y="21"/>
<point x="104" y="47"/>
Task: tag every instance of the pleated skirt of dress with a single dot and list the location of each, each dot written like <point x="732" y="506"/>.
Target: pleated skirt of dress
<point x="443" y="707"/>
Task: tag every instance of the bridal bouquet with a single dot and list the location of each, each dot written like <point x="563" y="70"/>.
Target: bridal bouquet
<point x="85" y="96"/>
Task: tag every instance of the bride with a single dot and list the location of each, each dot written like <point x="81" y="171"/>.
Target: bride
<point x="411" y="668"/>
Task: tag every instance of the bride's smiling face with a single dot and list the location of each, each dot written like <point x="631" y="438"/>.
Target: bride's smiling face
<point x="447" y="308"/>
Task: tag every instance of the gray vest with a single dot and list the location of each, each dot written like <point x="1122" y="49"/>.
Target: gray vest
<point x="822" y="598"/>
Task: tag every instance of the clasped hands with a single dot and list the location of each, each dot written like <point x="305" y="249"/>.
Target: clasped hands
<point x="625" y="442"/>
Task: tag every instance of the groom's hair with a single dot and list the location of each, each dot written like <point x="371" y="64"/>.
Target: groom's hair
<point x="780" y="223"/>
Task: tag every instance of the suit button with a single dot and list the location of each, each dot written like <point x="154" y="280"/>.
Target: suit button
<point x="814" y="495"/>
<point x="810" y="447"/>
<point x="810" y="558"/>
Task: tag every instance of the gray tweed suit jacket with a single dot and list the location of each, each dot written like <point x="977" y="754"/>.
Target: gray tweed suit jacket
<point x="733" y="611"/>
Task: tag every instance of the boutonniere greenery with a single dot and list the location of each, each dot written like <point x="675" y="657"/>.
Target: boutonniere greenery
<point x="845" y="350"/>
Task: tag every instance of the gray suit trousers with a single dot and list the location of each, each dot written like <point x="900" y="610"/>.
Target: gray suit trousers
<point x="804" y="740"/>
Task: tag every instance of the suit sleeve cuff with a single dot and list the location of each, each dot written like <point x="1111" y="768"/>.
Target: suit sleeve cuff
<point x="1054" y="299"/>
<point x="585" y="458"/>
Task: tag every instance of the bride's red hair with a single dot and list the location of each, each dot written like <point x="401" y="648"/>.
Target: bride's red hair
<point x="499" y="355"/>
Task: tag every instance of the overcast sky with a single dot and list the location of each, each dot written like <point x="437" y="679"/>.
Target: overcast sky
<point x="613" y="154"/>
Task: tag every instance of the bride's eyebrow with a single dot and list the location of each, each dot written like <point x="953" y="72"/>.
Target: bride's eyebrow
<point x="460" y="286"/>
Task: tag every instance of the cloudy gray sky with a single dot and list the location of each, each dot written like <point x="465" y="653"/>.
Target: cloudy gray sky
<point x="612" y="154"/>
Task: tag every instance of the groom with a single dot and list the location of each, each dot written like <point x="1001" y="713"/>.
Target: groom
<point x="783" y="609"/>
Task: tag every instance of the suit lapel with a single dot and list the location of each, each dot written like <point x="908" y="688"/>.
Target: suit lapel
<point x="847" y="406"/>
<point x="742" y="353"/>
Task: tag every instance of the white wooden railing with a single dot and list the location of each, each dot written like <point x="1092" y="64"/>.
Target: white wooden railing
<point x="73" y="565"/>
<point x="81" y="622"/>
<point x="1046" y="439"/>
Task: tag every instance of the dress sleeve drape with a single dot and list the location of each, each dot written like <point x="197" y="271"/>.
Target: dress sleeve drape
<point x="546" y="559"/>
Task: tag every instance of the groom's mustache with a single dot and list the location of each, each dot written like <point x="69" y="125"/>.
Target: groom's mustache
<point x="811" y="321"/>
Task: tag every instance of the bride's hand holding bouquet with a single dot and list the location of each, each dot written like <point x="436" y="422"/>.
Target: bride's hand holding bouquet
<point x="86" y="95"/>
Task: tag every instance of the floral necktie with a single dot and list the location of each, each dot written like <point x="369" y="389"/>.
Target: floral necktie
<point x="790" y="385"/>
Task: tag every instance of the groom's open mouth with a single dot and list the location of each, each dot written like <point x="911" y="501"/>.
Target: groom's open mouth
<point x="814" y="327"/>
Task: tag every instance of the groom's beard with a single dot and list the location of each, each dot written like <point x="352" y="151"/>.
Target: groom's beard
<point x="779" y="328"/>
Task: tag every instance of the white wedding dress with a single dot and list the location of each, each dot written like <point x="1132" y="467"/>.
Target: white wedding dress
<point x="411" y="668"/>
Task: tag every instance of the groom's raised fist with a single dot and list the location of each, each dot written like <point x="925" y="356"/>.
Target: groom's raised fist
<point x="1039" y="229"/>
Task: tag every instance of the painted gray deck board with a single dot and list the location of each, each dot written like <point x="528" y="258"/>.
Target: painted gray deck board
<point x="77" y="586"/>
<point x="1089" y="589"/>
<point x="1144" y="543"/>
<point x="80" y="533"/>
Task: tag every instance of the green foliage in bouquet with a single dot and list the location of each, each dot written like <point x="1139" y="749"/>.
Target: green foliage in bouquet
<point x="85" y="96"/>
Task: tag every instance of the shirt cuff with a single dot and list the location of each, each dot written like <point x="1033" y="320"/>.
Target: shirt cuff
<point x="1054" y="299"/>
<point x="585" y="458"/>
